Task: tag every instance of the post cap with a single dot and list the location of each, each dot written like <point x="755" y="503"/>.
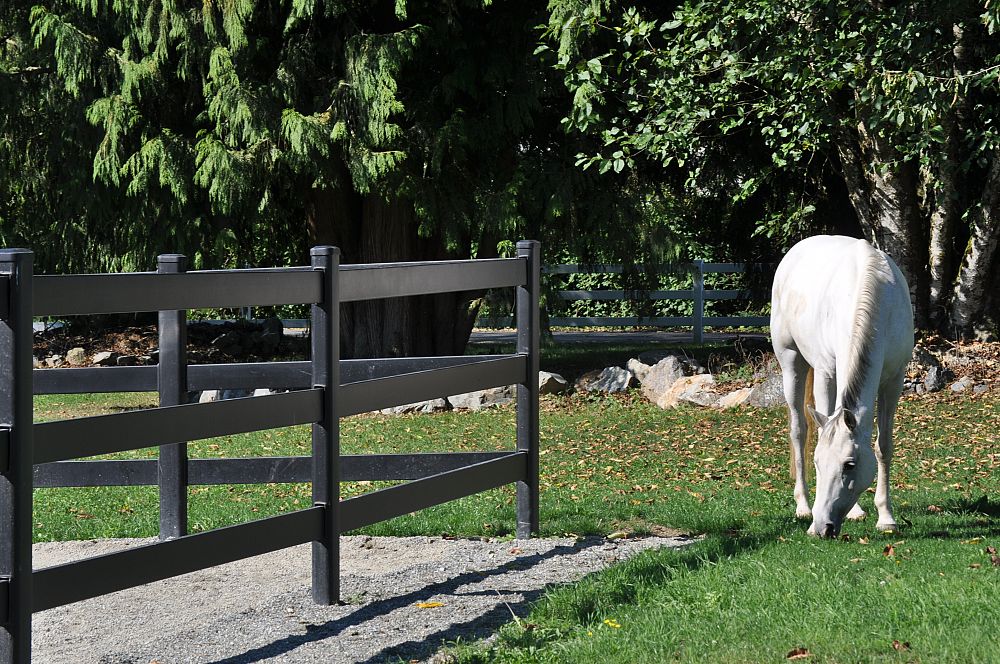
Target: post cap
<point x="324" y="250"/>
<point x="171" y="258"/>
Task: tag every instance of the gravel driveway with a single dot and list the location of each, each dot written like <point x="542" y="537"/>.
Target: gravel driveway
<point x="260" y="609"/>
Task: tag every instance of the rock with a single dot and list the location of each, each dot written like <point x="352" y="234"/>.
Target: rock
<point x="962" y="384"/>
<point x="36" y="363"/>
<point x="735" y="399"/>
<point x="495" y="396"/>
<point x="263" y="392"/>
<point x="936" y="378"/>
<point x="693" y="389"/>
<point x="653" y="357"/>
<point x="660" y="378"/>
<point x="920" y="389"/>
<point x="768" y="394"/>
<point x="608" y="381"/>
<point x="979" y="389"/>
<point x="127" y="361"/>
<point x="639" y="369"/>
<point x="235" y="394"/>
<point x="429" y="406"/>
<point x="208" y="396"/>
<point x="54" y="361"/>
<point x="984" y="333"/>
<point x="552" y="383"/>
<point x="104" y="359"/>
<point x="230" y="343"/>
<point x="76" y="357"/>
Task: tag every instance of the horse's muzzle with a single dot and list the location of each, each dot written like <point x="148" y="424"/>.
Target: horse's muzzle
<point x="829" y="531"/>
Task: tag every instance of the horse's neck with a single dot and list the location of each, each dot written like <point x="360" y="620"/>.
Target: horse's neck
<point x="865" y="349"/>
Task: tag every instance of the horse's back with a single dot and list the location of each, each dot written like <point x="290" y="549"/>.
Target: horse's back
<point x="817" y="290"/>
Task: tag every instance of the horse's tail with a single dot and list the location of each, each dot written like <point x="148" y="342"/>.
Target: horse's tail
<point x="810" y="400"/>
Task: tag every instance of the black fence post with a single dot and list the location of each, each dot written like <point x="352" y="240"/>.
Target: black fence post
<point x="698" y="305"/>
<point x="325" y="334"/>
<point x="527" y="392"/>
<point x="172" y="469"/>
<point x="16" y="435"/>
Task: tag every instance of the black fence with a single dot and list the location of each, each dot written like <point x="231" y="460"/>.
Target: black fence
<point x="327" y="388"/>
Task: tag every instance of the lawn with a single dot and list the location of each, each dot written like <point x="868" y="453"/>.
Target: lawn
<point x="755" y="588"/>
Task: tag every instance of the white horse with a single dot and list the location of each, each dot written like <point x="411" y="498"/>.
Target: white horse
<point x="840" y="309"/>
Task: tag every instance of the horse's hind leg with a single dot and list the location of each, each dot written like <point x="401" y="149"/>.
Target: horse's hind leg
<point x="793" y="376"/>
<point x="888" y="399"/>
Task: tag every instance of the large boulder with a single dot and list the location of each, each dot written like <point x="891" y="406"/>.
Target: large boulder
<point x="660" y="377"/>
<point x="654" y="357"/>
<point x="769" y="393"/>
<point x="495" y="396"/>
<point x="552" y="383"/>
<point x="697" y="389"/>
<point x="429" y="406"/>
<point x="735" y="399"/>
<point x="608" y="381"/>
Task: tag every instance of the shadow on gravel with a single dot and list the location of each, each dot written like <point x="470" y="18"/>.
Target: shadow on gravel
<point x="479" y="627"/>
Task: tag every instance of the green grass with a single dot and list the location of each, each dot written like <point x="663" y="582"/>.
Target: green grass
<point x="753" y="589"/>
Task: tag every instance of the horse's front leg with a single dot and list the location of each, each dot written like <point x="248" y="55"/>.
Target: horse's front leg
<point x="888" y="399"/>
<point x="793" y="375"/>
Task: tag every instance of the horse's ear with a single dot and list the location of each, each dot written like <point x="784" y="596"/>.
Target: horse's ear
<point x="819" y="418"/>
<point x="850" y="419"/>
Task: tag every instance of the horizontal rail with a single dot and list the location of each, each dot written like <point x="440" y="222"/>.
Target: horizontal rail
<point x="578" y="295"/>
<point x="83" y="579"/>
<point x="663" y="321"/>
<point x="249" y="376"/>
<point x="369" y="395"/>
<point x="68" y="295"/>
<point x="102" y="434"/>
<point x="4" y="449"/>
<point x="4" y="297"/>
<point x="381" y="280"/>
<point x="396" y="501"/>
<point x="663" y="268"/>
<point x="255" y="470"/>
<point x="94" y="379"/>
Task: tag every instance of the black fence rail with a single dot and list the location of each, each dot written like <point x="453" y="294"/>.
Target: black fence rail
<point x="324" y="390"/>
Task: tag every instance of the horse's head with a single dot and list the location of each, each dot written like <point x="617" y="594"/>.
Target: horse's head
<point x="845" y="467"/>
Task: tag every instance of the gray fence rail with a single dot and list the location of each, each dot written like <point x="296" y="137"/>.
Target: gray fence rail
<point x="325" y="389"/>
<point x="697" y="294"/>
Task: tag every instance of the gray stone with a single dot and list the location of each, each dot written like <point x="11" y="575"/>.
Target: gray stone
<point x="54" y="361"/>
<point x="697" y="389"/>
<point x="661" y="377"/>
<point x="208" y="396"/>
<point x="962" y="384"/>
<point x="127" y="361"/>
<point x="104" y="359"/>
<point x="691" y="366"/>
<point x="638" y="368"/>
<point x="979" y="389"/>
<point x="610" y="380"/>
<point x="429" y="406"/>
<point x="235" y="394"/>
<point x="770" y="393"/>
<point x="263" y="392"/>
<point x="552" y="383"/>
<point x="36" y="363"/>
<point x="480" y="399"/>
<point x="937" y="377"/>
<point x="735" y="399"/>
<point x="76" y="357"/>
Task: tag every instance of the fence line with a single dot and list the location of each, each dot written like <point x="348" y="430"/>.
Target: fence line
<point x="697" y="294"/>
<point x="327" y="389"/>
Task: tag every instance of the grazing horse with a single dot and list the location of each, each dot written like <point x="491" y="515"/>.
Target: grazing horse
<point x="840" y="310"/>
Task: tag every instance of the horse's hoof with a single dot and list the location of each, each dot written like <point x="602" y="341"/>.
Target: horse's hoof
<point x="887" y="527"/>
<point x="856" y="514"/>
<point x="803" y="514"/>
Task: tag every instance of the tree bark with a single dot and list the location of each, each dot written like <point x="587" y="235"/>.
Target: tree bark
<point x="977" y="265"/>
<point x="371" y="229"/>
<point x="883" y="191"/>
<point x="943" y="221"/>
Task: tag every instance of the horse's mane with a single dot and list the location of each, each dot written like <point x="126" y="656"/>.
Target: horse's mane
<point x="864" y="334"/>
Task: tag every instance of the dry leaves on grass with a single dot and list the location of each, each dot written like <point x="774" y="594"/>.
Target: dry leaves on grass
<point x="798" y="653"/>
<point x="900" y="645"/>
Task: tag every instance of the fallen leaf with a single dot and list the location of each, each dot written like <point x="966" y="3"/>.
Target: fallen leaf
<point x="889" y="550"/>
<point x="934" y="509"/>
<point x="429" y="605"/>
<point x="975" y="565"/>
<point x="862" y="540"/>
<point x="516" y="550"/>
<point x="855" y="560"/>
<point x="897" y="645"/>
<point x="995" y="559"/>
<point x="618" y="534"/>
<point x="798" y="653"/>
<point x="991" y="549"/>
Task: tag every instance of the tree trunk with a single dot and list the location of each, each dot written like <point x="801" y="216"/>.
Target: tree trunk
<point x="977" y="265"/>
<point x="944" y="220"/>
<point x="884" y="193"/>
<point x="370" y="229"/>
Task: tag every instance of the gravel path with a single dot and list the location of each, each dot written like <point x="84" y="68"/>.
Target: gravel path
<point x="260" y="609"/>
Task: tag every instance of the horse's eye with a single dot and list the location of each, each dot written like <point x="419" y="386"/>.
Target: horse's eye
<point x="849" y="466"/>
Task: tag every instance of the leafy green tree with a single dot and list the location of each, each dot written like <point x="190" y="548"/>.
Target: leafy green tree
<point x="889" y="107"/>
<point x="240" y="132"/>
